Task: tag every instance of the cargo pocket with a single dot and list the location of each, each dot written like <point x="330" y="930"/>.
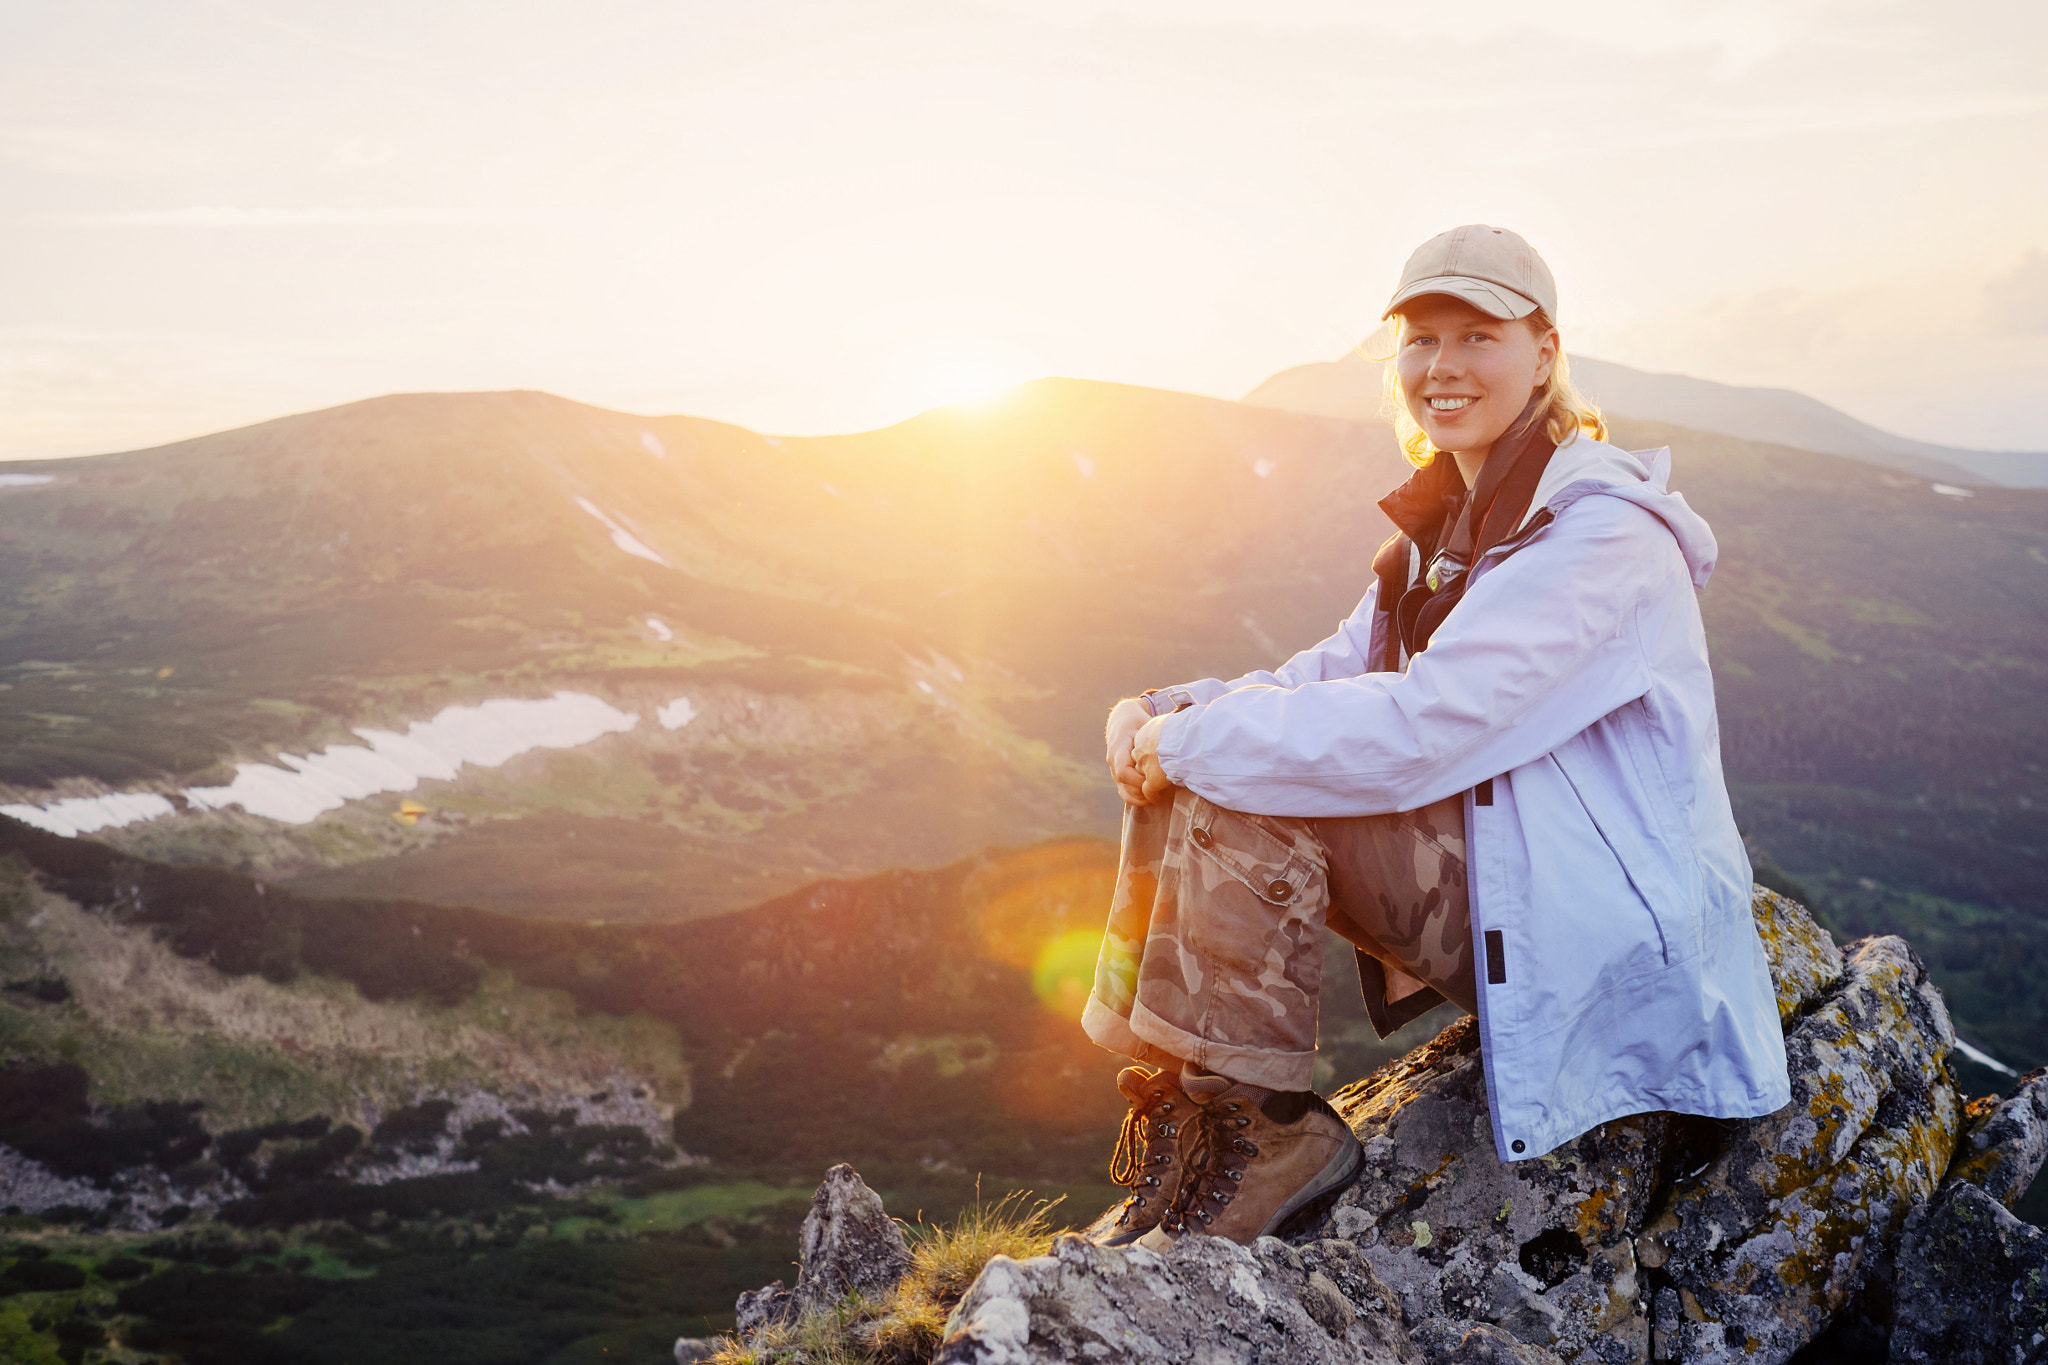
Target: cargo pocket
<point x="1250" y="880"/>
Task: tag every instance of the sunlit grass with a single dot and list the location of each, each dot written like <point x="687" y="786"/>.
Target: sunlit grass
<point x="907" y="1324"/>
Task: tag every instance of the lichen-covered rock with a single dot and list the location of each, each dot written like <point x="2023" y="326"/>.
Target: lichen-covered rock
<point x="2004" y="1141"/>
<point x="1204" y="1299"/>
<point x="1805" y="963"/>
<point x="1467" y="1343"/>
<point x="1543" y="1249"/>
<point x="1971" y="1287"/>
<point x="1776" y="1235"/>
<point x="1650" y="1237"/>
<point x="769" y="1306"/>
<point x="693" y="1350"/>
<point x="849" y="1244"/>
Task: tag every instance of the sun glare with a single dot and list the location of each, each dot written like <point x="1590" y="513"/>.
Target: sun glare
<point x="971" y="379"/>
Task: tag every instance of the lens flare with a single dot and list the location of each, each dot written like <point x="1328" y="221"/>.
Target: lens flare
<point x="1064" y="971"/>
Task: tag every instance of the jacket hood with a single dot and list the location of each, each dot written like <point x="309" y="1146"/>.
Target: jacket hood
<point x="1584" y="467"/>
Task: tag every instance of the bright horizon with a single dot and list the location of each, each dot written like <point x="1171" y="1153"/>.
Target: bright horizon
<point x="811" y="218"/>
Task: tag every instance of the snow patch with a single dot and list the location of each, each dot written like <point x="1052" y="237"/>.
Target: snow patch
<point x="25" y="480"/>
<point x="83" y="814"/>
<point x="1949" y="490"/>
<point x="486" y="736"/>
<point x="676" y="714"/>
<point x="654" y="445"/>
<point x="623" y="538"/>
<point x="1983" y="1058"/>
<point x="660" y="629"/>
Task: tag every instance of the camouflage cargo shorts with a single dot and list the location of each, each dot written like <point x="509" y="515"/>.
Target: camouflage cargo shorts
<point x="1214" y="951"/>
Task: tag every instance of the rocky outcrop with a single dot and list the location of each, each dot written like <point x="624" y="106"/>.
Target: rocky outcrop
<point x="849" y="1246"/>
<point x="1762" y="1249"/>
<point x="1542" y="1248"/>
<point x="1805" y="963"/>
<point x="2004" y="1141"/>
<point x="1651" y="1238"/>
<point x="1972" y="1284"/>
<point x="1203" y="1299"/>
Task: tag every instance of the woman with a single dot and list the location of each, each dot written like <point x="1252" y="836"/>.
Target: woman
<point x="1500" y="779"/>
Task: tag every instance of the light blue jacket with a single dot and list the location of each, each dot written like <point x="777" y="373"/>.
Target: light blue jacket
<point x="1619" y="967"/>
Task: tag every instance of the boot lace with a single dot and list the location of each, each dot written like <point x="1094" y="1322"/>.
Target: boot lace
<point x="1215" y="1170"/>
<point x="1147" y="1140"/>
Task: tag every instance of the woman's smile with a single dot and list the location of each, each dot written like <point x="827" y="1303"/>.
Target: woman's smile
<point x="1467" y="376"/>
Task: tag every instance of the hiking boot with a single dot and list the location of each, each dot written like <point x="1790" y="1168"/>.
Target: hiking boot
<point x="1262" y="1159"/>
<point x="1151" y="1150"/>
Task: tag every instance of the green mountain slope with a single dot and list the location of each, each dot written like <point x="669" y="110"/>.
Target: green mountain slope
<point x="897" y="646"/>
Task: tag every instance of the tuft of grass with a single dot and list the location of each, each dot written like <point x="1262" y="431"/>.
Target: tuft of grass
<point x="905" y="1326"/>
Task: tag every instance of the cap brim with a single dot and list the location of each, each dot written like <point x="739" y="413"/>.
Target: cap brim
<point x="1492" y="299"/>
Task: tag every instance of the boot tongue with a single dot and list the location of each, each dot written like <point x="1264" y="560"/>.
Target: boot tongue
<point x="1203" y="1086"/>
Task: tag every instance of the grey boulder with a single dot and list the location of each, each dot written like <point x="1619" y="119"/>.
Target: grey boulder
<point x="1761" y="1249"/>
<point x="1204" y="1299"/>
<point x="1971" y="1287"/>
<point x="1541" y="1249"/>
<point x="849" y="1244"/>
<point x="2004" y="1141"/>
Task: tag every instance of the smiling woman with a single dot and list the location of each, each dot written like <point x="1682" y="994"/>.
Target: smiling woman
<point x="1500" y="779"/>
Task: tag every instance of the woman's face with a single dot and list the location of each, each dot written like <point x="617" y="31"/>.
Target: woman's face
<point x="1465" y="376"/>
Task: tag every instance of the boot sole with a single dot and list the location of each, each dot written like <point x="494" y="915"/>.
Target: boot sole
<point x="1315" y="1199"/>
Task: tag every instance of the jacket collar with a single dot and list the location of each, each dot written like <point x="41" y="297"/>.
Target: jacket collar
<point x="1421" y="506"/>
<point x="1418" y="507"/>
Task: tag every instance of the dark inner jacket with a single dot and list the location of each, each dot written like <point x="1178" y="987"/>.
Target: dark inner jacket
<point x="1449" y="530"/>
<point x="1446" y="531"/>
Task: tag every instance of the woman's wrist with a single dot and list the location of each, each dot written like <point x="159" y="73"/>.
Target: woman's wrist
<point x="1164" y="701"/>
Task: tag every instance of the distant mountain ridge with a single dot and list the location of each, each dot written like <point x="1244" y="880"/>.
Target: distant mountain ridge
<point x="1349" y="387"/>
<point x="826" y="657"/>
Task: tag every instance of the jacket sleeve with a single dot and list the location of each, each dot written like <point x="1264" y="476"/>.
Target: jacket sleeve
<point x="1543" y="644"/>
<point x="1343" y="655"/>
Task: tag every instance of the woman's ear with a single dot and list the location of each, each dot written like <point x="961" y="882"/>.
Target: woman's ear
<point x="1547" y="347"/>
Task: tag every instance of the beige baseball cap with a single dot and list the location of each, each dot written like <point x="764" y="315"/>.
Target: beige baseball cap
<point x="1490" y="268"/>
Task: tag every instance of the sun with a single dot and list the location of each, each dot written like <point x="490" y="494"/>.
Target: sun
<point x="971" y="379"/>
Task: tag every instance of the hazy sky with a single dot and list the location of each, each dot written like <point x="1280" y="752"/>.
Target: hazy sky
<point x="821" y="215"/>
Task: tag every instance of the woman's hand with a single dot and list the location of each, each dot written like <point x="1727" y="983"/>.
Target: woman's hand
<point x="1153" y="782"/>
<point x="1125" y="720"/>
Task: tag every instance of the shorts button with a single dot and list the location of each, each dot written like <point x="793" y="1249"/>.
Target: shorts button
<point x="1279" y="891"/>
<point x="1203" y="838"/>
<point x="1519" y="1145"/>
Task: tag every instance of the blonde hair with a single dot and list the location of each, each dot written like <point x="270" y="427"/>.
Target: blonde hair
<point x="1560" y="406"/>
